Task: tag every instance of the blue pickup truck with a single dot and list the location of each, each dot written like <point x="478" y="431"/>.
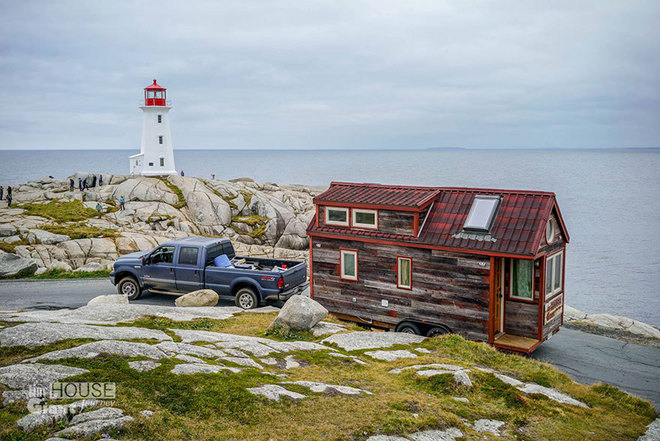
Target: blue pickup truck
<point x="185" y="265"/>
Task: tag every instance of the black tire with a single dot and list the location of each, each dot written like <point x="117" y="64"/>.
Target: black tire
<point x="437" y="331"/>
<point x="129" y="287"/>
<point x="246" y="298"/>
<point x="408" y="328"/>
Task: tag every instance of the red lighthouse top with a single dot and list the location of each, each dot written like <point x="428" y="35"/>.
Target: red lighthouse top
<point x="155" y="95"/>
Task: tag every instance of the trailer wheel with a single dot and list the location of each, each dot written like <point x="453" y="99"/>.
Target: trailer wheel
<point x="408" y="328"/>
<point x="437" y="331"/>
<point x="129" y="287"/>
<point x="246" y="298"/>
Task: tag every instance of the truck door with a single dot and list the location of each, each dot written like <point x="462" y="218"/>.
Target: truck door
<point x="188" y="270"/>
<point x="158" y="271"/>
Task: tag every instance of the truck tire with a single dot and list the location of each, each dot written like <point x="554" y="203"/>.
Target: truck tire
<point x="246" y="298"/>
<point x="129" y="287"/>
<point x="408" y="328"/>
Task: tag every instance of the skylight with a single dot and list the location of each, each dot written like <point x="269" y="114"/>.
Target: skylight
<point x="482" y="213"/>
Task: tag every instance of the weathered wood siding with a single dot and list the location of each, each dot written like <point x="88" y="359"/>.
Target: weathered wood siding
<point x="521" y="318"/>
<point x="396" y="222"/>
<point x="389" y="221"/>
<point x="447" y="288"/>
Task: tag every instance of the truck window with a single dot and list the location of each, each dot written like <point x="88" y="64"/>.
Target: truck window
<point x="228" y="249"/>
<point x="188" y="256"/>
<point x="212" y="252"/>
<point x="163" y="255"/>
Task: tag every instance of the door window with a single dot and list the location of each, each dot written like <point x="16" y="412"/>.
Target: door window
<point x="163" y="255"/>
<point x="188" y="256"/>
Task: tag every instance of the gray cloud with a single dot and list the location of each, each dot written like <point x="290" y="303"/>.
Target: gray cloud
<point x="333" y="74"/>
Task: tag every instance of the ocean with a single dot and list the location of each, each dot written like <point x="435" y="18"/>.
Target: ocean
<point x="610" y="199"/>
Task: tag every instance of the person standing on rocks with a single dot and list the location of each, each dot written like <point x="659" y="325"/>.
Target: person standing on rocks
<point x="100" y="180"/>
<point x="99" y="208"/>
<point x="121" y="203"/>
<point x="2" y="190"/>
<point x="80" y="184"/>
<point x="212" y="175"/>
<point x="72" y="184"/>
<point x="85" y="184"/>
<point x="182" y="174"/>
<point x="9" y="197"/>
<point x="94" y="181"/>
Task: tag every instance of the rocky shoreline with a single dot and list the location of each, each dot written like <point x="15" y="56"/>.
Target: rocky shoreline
<point x="269" y="219"/>
<point x="39" y="233"/>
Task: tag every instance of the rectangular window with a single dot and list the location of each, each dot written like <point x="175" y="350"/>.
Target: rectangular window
<point x="522" y="279"/>
<point x="336" y="216"/>
<point x="365" y="219"/>
<point x="151" y="164"/>
<point x="160" y="119"/>
<point x="188" y="256"/>
<point x="163" y="254"/>
<point x="348" y="264"/>
<point x="404" y="276"/>
<point x="553" y="273"/>
<point x="162" y="162"/>
<point x="160" y="139"/>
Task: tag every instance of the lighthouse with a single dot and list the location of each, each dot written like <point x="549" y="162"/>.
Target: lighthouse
<point x="156" y="157"/>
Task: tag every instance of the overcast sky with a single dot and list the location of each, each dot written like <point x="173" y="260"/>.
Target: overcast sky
<point x="333" y="74"/>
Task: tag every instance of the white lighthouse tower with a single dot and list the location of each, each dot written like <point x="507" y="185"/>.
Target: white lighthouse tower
<point x="156" y="157"/>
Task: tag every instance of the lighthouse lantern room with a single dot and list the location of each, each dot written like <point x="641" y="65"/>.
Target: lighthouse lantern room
<point x="156" y="157"/>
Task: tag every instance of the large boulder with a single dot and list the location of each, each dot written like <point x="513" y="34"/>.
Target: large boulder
<point x="12" y="265"/>
<point x="299" y="313"/>
<point x="46" y="237"/>
<point x="203" y="297"/>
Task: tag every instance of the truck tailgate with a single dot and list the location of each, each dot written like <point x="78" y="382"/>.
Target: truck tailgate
<point x="295" y="276"/>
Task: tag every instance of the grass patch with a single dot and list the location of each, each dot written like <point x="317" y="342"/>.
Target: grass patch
<point x="218" y="406"/>
<point x="177" y="191"/>
<point x="247" y="196"/>
<point x="11" y="247"/>
<point x="80" y="230"/>
<point x="60" y="211"/>
<point x="258" y="224"/>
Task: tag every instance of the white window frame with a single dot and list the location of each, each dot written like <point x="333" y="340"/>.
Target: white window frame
<point x="511" y="296"/>
<point x="342" y="275"/>
<point x="399" y="259"/>
<point x="555" y="285"/>
<point x="551" y="225"/>
<point x="338" y="223"/>
<point x="356" y="224"/>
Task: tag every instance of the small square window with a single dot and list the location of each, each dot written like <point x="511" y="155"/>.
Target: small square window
<point x="160" y="119"/>
<point x="336" y="216"/>
<point x="365" y="219"/>
<point x="162" y="162"/>
<point x="151" y="164"/>
<point x="348" y="264"/>
<point x="160" y="139"/>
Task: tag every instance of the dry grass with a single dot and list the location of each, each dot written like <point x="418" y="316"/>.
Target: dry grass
<point x="217" y="406"/>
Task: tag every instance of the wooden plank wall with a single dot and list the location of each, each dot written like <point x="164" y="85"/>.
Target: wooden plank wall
<point x="389" y="221"/>
<point x="448" y="288"/>
<point x="550" y="301"/>
<point x="521" y="318"/>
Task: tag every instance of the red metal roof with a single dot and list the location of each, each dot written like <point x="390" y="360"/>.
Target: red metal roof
<point x="154" y="86"/>
<point x="378" y="195"/>
<point x="517" y="229"/>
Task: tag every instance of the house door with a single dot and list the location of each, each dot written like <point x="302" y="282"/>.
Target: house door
<point x="499" y="295"/>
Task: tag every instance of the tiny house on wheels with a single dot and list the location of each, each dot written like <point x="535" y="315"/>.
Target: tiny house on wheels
<point x="486" y="264"/>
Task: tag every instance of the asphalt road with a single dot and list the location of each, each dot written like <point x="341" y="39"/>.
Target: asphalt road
<point x="585" y="357"/>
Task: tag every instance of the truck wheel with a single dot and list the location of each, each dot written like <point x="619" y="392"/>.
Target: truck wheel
<point x="246" y="298"/>
<point x="408" y="328"/>
<point x="437" y="331"/>
<point x="129" y="287"/>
